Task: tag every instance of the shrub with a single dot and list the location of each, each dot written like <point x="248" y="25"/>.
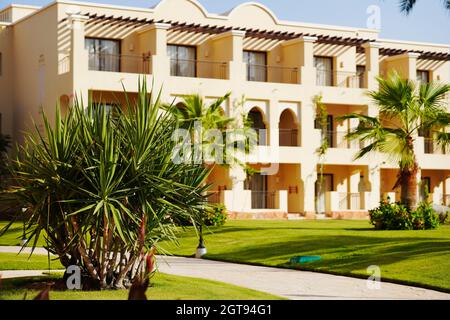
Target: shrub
<point x="396" y="216"/>
<point x="216" y="216"/>
<point x="102" y="187"/>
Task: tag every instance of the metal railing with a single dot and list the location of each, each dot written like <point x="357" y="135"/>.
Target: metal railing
<point x="120" y="63"/>
<point x="288" y="137"/>
<point x="344" y="79"/>
<point x="431" y="147"/>
<point x="198" y="69"/>
<point x="266" y="73"/>
<point x="338" y="140"/>
<point x="261" y="136"/>
<point x="350" y="201"/>
<point x="263" y="200"/>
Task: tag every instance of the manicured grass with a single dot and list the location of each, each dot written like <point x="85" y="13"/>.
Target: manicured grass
<point x="346" y="247"/>
<point x="14" y="235"/>
<point x="164" y="287"/>
<point x="23" y="261"/>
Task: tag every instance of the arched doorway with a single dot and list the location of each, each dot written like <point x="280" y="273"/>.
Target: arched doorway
<point x="288" y="129"/>
<point x="258" y="124"/>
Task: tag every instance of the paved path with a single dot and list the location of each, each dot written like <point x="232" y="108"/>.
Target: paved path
<point x="291" y="284"/>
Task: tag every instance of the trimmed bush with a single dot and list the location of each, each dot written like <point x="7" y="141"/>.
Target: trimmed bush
<point x="216" y="216"/>
<point x="395" y="216"/>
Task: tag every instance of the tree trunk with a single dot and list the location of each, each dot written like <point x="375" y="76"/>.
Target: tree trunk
<point x="408" y="182"/>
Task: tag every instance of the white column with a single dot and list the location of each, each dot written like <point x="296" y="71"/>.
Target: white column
<point x="160" y="63"/>
<point x="372" y="52"/>
<point x="375" y="193"/>
<point x="78" y="57"/>
<point x="309" y="177"/>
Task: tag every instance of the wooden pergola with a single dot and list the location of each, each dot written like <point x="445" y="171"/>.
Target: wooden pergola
<point x="128" y="22"/>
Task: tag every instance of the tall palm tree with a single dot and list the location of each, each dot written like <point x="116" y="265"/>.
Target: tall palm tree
<point x="406" y="108"/>
<point x="406" y="6"/>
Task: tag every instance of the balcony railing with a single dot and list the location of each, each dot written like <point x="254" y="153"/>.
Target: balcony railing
<point x="198" y="69"/>
<point x="338" y="140"/>
<point x="288" y="137"/>
<point x="350" y="201"/>
<point x="261" y="136"/>
<point x="263" y="200"/>
<point x="344" y="79"/>
<point x="266" y="73"/>
<point x="431" y="147"/>
<point x="120" y="63"/>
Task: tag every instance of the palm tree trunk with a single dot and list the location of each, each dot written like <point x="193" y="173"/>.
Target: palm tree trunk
<point x="408" y="180"/>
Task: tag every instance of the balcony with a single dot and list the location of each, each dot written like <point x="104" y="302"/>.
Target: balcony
<point x="337" y="140"/>
<point x="106" y="62"/>
<point x="342" y="79"/>
<point x="431" y="147"/>
<point x="288" y="137"/>
<point x="275" y="74"/>
<point x="198" y="69"/>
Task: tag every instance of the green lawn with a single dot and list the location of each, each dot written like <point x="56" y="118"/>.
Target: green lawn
<point x="23" y="261"/>
<point x="347" y="248"/>
<point x="164" y="287"/>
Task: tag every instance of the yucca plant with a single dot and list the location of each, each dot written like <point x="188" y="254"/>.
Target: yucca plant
<point x="102" y="189"/>
<point x="406" y="109"/>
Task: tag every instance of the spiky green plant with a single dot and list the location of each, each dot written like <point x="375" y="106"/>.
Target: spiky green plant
<point x="405" y="108"/>
<point x="102" y="188"/>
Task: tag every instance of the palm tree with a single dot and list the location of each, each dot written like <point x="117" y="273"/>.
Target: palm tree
<point x="406" y="6"/>
<point x="406" y="109"/>
<point x="193" y="108"/>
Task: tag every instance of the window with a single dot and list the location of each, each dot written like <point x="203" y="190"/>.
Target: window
<point x="423" y="76"/>
<point x="360" y="74"/>
<point x="256" y="65"/>
<point x="182" y="61"/>
<point x="324" y="71"/>
<point x="104" y="54"/>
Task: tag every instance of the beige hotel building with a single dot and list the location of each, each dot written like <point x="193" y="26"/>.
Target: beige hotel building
<point x="49" y="54"/>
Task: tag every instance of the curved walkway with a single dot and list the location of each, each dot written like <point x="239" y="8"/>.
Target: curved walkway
<point x="291" y="284"/>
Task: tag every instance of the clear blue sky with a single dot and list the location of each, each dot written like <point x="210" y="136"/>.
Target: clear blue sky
<point x="429" y="22"/>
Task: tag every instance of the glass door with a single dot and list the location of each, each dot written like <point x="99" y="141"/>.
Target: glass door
<point x="256" y="65"/>
<point x="324" y="71"/>
<point x="104" y="54"/>
<point x="182" y="61"/>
